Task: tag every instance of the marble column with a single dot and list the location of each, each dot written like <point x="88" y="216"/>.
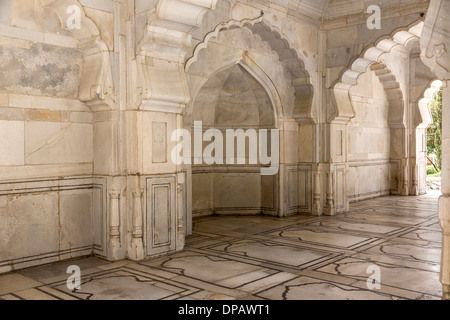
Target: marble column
<point x="137" y="246"/>
<point x="330" y="206"/>
<point x="405" y="180"/>
<point x="180" y="217"/>
<point x="114" y="223"/>
<point x="415" y="187"/>
<point x="317" y="206"/>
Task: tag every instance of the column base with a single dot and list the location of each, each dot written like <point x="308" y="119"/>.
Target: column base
<point x="317" y="209"/>
<point x="137" y="250"/>
<point x="445" y="292"/>
<point x="115" y="250"/>
<point x="181" y="237"/>
<point x="329" y="210"/>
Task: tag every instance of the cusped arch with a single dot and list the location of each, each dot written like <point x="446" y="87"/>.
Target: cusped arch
<point x="372" y="58"/>
<point x="96" y="85"/>
<point x="288" y="57"/>
<point x="424" y="117"/>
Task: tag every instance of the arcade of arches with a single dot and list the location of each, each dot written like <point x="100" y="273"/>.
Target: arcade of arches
<point x="90" y="99"/>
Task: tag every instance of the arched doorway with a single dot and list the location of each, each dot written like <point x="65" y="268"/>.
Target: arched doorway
<point x="248" y="86"/>
<point x="233" y="100"/>
<point x="427" y="106"/>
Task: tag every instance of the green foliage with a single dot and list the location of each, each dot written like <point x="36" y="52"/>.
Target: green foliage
<point x="431" y="170"/>
<point x="434" y="131"/>
<point x="434" y="175"/>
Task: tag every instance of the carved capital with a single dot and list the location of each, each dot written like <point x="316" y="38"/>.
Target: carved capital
<point x="137" y="193"/>
<point x="114" y="193"/>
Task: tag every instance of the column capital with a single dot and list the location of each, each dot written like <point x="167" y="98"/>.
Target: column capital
<point x="114" y="193"/>
<point x="137" y="193"/>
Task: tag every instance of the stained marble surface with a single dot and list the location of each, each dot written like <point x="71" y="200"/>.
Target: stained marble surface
<point x="298" y="257"/>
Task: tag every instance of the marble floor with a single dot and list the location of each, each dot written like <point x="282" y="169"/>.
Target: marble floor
<point x="298" y="257"/>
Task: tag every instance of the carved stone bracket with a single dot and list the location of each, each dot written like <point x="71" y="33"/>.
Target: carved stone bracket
<point x="96" y="85"/>
<point x="161" y="54"/>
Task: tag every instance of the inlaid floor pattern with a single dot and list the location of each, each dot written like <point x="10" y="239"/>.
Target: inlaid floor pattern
<point x="257" y="257"/>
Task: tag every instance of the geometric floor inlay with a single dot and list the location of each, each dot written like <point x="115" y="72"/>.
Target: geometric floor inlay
<point x="256" y="257"/>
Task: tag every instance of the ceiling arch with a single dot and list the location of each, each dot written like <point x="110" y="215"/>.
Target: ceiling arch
<point x="208" y="65"/>
<point x="294" y="66"/>
<point x="402" y="42"/>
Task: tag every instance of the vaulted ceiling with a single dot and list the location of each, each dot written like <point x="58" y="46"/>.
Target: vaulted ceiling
<point x="333" y="9"/>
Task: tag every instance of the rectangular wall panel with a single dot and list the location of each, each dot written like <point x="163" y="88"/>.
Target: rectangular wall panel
<point x="299" y="189"/>
<point x="160" y="215"/>
<point x="161" y="220"/>
<point x="49" y="220"/>
<point x="159" y="143"/>
<point x="305" y="188"/>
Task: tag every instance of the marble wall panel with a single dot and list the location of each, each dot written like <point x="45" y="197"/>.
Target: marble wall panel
<point x="56" y="142"/>
<point x="11" y="143"/>
<point x="48" y="220"/>
<point x="237" y="191"/>
<point x="41" y="70"/>
<point x="160" y="214"/>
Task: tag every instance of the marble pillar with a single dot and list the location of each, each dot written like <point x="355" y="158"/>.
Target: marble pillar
<point x="137" y="247"/>
<point x="114" y="223"/>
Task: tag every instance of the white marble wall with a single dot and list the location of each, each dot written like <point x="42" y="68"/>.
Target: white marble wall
<point x="47" y="220"/>
<point x="86" y="118"/>
<point x="369" y="141"/>
<point x="51" y="209"/>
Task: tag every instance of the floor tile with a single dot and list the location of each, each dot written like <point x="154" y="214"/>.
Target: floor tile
<point x="257" y="257"/>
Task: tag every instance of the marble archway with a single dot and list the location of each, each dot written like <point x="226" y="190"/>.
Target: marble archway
<point x="218" y="74"/>
<point x="233" y="99"/>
